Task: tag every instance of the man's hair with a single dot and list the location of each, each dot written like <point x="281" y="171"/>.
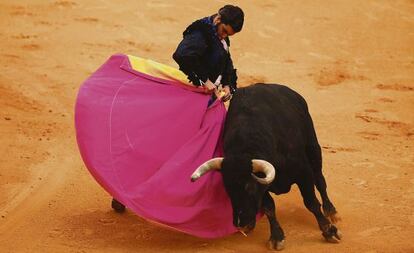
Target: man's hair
<point x="233" y="16"/>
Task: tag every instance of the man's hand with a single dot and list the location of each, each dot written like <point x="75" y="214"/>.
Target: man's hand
<point x="222" y="92"/>
<point x="227" y="94"/>
<point x="209" y="85"/>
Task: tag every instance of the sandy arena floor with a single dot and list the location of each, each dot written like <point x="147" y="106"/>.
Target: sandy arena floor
<point x="352" y="60"/>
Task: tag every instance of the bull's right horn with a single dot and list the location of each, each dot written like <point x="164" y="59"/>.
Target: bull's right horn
<point x="265" y="167"/>
<point x="212" y="164"/>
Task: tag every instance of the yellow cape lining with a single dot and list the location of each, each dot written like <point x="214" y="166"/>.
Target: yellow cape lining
<point x="157" y="69"/>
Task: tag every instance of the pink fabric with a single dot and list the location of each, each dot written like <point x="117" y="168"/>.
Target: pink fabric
<point x="141" y="138"/>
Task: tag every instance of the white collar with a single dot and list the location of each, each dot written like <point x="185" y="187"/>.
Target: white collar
<point x="225" y="46"/>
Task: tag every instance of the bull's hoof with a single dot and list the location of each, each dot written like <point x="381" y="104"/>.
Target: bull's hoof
<point x="117" y="206"/>
<point x="276" y="245"/>
<point x="332" y="234"/>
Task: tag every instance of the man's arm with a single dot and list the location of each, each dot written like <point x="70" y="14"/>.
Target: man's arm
<point x="230" y="76"/>
<point x="189" y="55"/>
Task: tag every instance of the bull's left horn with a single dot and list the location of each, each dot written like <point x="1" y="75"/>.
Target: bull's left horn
<point x="265" y="167"/>
<point x="212" y="164"/>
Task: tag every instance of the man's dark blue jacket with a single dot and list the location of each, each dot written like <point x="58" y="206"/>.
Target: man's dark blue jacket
<point x="201" y="55"/>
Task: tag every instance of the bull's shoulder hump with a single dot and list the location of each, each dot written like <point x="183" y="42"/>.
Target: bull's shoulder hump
<point x="269" y="87"/>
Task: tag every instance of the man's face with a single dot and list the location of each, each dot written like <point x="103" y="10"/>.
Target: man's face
<point x="224" y="30"/>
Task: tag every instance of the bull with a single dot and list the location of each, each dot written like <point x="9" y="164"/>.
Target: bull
<point x="270" y="144"/>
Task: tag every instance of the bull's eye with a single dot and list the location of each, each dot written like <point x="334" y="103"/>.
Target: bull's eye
<point x="250" y="188"/>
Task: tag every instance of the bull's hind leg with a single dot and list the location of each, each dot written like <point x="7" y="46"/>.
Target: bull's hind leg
<point x="328" y="208"/>
<point x="314" y="155"/>
<point x="307" y="189"/>
<point x="315" y="158"/>
<point x="277" y="237"/>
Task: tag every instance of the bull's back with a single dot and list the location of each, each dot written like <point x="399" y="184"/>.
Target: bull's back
<point x="269" y="101"/>
<point x="273" y="109"/>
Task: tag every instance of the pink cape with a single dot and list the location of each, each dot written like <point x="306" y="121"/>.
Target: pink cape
<point x="141" y="137"/>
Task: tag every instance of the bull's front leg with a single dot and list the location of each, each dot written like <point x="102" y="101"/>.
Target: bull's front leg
<point x="277" y="237"/>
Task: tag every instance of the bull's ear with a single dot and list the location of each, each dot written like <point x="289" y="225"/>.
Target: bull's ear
<point x="212" y="164"/>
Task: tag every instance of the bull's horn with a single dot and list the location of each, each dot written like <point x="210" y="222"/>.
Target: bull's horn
<point x="212" y="164"/>
<point x="266" y="168"/>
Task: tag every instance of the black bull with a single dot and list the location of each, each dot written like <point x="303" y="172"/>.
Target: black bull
<point x="271" y="122"/>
